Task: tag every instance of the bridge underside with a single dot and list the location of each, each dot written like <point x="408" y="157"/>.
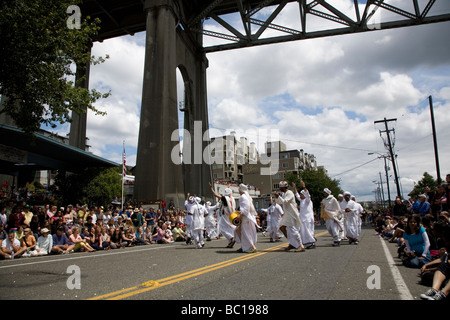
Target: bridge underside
<point x="256" y="18"/>
<point x="175" y="31"/>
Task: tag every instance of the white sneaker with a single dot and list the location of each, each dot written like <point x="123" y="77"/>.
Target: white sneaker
<point x="429" y="295"/>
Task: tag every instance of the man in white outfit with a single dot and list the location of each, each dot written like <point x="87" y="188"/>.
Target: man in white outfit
<point x="331" y="212"/>
<point x="353" y="220"/>
<point x="343" y="205"/>
<point x="198" y="222"/>
<point x="274" y="215"/>
<point x="290" y="223"/>
<point x="306" y="214"/>
<point x="188" y="203"/>
<point x="210" y="220"/>
<point x="245" y="233"/>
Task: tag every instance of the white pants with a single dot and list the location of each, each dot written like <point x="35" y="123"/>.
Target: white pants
<point x="198" y="237"/>
<point x="293" y="237"/>
<point x="334" y="229"/>
<point x="307" y="231"/>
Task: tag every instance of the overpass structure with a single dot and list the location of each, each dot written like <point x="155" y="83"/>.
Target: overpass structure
<point x="175" y="31"/>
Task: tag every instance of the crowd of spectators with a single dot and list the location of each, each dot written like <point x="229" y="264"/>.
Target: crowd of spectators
<point x="420" y="227"/>
<point x="27" y="231"/>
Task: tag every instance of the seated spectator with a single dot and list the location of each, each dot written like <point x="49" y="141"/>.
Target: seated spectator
<point x="442" y="274"/>
<point x="97" y="242"/>
<point x="127" y="237"/>
<point x="116" y="240"/>
<point x="3" y="233"/>
<point x="105" y="238"/>
<point x="44" y="243"/>
<point x="29" y="242"/>
<point x="162" y="236"/>
<point x="60" y="242"/>
<point x="78" y="242"/>
<point x="11" y="247"/>
<point x="141" y="238"/>
<point x="178" y="234"/>
<point x="387" y="230"/>
<point x="16" y="219"/>
<point x="427" y="224"/>
<point x="423" y="206"/>
<point x="417" y="244"/>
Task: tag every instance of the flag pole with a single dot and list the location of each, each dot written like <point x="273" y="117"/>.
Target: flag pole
<point x="124" y="171"/>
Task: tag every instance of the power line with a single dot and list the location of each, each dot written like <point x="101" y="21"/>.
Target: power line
<point x="359" y="166"/>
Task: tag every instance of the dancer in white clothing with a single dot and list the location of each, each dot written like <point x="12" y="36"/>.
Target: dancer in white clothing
<point x="353" y="219"/>
<point x="274" y="215"/>
<point x="210" y="220"/>
<point x="306" y="214"/>
<point x="245" y="233"/>
<point x="228" y="206"/>
<point x="188" y="203"/>
<point x="331" y="212"/>
<point x="290" y="223"/>
<point x="198" y="222"/>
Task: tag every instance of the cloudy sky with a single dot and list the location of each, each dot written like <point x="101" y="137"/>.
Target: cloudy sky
<point x="323" y="95"/>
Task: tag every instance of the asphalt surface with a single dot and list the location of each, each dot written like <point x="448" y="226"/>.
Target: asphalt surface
<point x="180" y="272"/>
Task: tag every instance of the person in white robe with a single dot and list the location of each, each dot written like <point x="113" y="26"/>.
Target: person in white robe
<point x="290" y="223"/>
<point x="210" y="220"/>
<point x="343" y="205"/>
<point x="331" y="212"/>
<point x="360" y="211"/>
<point x="227" y="207"/>
<point x="197" y="211"/>
<point x="188" y="203"/>
<point x="245" y="233"/>
<point x="274" y="216"/>
<point x="306" y="213"/>
<point x="353" y="219"/>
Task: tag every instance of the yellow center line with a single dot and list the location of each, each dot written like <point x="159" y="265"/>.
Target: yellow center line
<point x="151" y="284"/>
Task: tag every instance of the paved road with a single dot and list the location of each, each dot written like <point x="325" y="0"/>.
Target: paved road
<point x="181" y="272"/>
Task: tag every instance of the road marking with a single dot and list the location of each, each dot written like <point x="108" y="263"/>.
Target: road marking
<point x="151" y="285"/>
<point x="398" y="279"/>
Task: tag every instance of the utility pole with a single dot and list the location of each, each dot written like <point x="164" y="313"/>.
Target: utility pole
<point x="391" y="152"/>
<point x="436" y="156"/>
<point x="387" y="180"/>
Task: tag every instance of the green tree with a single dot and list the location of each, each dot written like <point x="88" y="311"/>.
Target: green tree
<point x="104" y="187"/>
<point x="37" y="56"/>
<point x="93" y="186"/>
<point x="426" y="181"/>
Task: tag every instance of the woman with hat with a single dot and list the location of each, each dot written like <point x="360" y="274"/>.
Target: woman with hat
<point x="44" y="242"/>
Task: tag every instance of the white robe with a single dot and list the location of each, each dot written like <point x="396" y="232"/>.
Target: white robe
<point x="246" y="234"/>
<point x="274" y="215"/>
<point x="306" y="214"/>
<point x="224" y="225"/>
<point x="198" y="223"/>
<point x="290" y="219"/>
<point x="188" y="218"/>
<point x="332" y="209"/>
<point x="210" y="221"/>
<point x="353" y="220"/>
